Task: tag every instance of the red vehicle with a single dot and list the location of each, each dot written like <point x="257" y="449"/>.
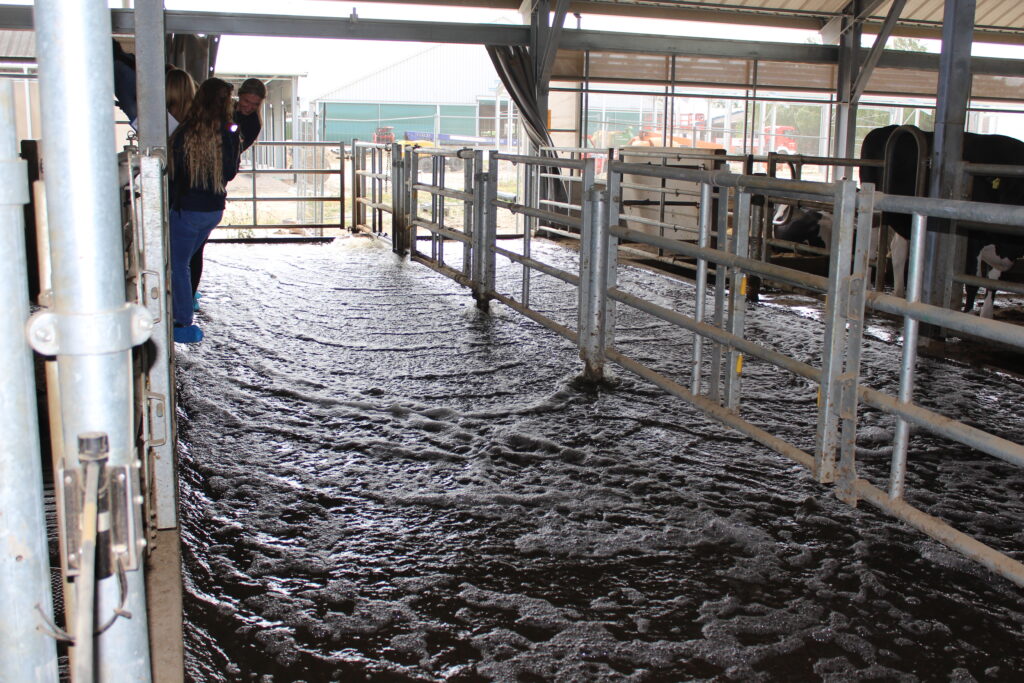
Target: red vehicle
<point x="776" y="139"/>
<point x="773" y="139"/>
<point x="384" y="134"/>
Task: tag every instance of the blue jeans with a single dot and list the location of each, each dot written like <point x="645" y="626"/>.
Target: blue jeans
<point x="189" y="230"/>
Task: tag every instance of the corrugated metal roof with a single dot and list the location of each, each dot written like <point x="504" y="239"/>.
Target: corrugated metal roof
<point x="440" y="74"/>
<point x="919" y="17"/>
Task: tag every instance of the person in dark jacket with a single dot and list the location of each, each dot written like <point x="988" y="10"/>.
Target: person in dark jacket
<point x="251" y="94"/>
<point x="204" y="158"/>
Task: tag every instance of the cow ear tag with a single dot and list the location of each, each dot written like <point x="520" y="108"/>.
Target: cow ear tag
<point x="995" y="183"/>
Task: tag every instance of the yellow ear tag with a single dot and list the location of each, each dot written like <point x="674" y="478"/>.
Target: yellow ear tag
<point x="995" y="183"/>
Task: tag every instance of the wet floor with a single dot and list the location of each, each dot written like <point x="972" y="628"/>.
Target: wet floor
<point x="381" y="483"/>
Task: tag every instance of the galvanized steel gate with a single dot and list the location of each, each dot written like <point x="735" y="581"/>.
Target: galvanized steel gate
<point x="714" y="384"/>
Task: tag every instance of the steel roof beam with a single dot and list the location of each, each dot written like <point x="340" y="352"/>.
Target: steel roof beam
<point x="20" y="18"/>
<point x="598" y="41"/>
<point x="352" y="28"/>
<point x="868" y="65"/>
<point x="831" y="31"/>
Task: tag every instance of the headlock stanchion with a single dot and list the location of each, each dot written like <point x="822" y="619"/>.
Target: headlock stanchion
<point x="90" y="327"/>
<point x="27" y="653"/>
<point x="835" y="376"/>
<point x="153" y="290"/>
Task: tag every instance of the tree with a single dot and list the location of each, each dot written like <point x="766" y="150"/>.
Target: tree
<point x="907" y="44"/>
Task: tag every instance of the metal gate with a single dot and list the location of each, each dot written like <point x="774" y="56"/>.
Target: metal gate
<point x="716" y="324"/>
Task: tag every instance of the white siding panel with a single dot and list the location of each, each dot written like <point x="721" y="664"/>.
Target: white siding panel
<point x="440" y="74"/>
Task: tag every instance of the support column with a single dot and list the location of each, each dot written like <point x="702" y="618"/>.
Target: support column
<point x="149" y="74"/>
<point x="27" y="653"/>
<point x="952" y="98"/>
<point x="846" y="102"/>
<point x="90" y="328"/>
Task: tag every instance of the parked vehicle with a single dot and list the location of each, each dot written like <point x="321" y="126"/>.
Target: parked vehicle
<point x="772" y="139"/>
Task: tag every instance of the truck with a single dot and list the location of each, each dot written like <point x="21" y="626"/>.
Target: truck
<point x="771" y="139"/>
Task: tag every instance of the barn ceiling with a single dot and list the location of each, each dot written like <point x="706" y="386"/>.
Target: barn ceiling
<point x="920" y="18"/>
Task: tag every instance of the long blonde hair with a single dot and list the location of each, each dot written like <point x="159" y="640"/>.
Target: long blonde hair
<point x="181" y="90"/>
<point x="209" y="115"/>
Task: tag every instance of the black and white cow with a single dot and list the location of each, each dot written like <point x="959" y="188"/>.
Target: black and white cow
<point x="996" y="250"/>
<point x="803" y="226"/>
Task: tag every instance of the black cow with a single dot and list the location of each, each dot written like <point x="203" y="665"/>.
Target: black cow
<point x="996" y="249"/>
<point x="803" y="225"/>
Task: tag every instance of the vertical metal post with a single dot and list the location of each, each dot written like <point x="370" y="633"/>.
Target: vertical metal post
<point x="399" y="233"/>
<point x="149" y="73"/>
<point x="469" y="169"/>
<point x="478" y="228"/>
<point x="341" y="185"/>
<point x="835" y="341"/>
<point x="436" y="208"/>
<point x="703" y="239"/>
<point x="412" y="164"/>
<point x="159" y="384"/>
<point x="758" y="243"/>
<point x="737" y="299"/>
<point x="377" y="154"/>
<point x="27" y="653"/>
<point x="531" y="178"/>
<point x="849" y="56"/>
<point x="252" y="168"/>
<point x="898" y="469"/>
<point x="950" y="119"/>
<point x="845" y="489"/>
<point x="356" y="188"/>
<point x="490" y="225"/>
<point x="724" y="243"/>
<point x="593" y="289"/>
<point x="95" y="371"/>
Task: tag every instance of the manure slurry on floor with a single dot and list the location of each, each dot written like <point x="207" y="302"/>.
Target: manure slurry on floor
<point x="380" y="482"/>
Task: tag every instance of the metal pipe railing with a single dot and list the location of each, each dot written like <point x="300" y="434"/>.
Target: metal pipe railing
<point x="90" y="328"/>
<point x="27" y="653"/>
<point x="254" y="199"/>
<point x="840" y="385"/>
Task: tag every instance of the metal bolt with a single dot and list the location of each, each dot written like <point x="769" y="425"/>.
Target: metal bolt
<point x="93" y="444"/>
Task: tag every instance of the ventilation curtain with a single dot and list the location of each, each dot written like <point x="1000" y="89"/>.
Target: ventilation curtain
<point x="515" y="69"/>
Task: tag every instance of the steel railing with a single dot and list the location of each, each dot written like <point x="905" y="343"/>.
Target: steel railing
<point x="716" y="322"/>
<point x="315" y="199"/>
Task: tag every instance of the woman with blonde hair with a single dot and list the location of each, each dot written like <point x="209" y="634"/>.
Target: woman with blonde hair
<point x="180" y="90"/>
<point x="178" y="86"/>
<point x="204" y="158"/>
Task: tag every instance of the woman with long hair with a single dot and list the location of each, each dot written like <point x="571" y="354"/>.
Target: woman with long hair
<point x="204" y="158"/>
<point x="180" y="90"/>
<point x="247" y="115"/>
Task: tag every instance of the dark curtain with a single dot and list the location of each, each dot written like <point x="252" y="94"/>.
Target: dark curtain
<point x="515" y="69"/>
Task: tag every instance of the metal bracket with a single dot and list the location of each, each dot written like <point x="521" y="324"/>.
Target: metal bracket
<point x="157" y="405"/>
<point x="120" y="503"/>
<point x="151" y="289"/>
<point x="53" y="334"/>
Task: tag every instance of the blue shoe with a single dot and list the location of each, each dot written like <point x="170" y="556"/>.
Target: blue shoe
<point x="195" y="301"/>
<point x="188" y="335"/>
